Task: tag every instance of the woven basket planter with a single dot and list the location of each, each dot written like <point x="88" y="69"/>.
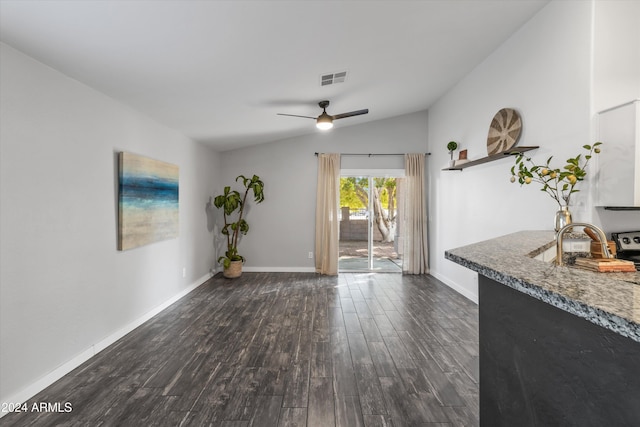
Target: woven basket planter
<point x="234" y="270"/>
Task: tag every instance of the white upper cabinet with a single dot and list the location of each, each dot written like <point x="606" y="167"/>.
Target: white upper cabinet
<point x="618" y="177"/>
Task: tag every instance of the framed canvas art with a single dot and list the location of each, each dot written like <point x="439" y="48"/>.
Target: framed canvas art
<point x="147" y="201"/>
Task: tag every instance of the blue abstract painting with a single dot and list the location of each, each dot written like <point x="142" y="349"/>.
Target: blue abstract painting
<point x="147" y="201"/>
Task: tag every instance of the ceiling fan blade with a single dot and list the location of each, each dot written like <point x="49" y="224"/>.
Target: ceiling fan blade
<point x="295" y="115"/>
<point x="351" y="114"/>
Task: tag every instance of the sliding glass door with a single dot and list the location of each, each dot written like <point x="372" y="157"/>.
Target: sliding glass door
<point x="369" y="224"/>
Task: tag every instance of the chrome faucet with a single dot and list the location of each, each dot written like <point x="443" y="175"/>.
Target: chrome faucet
<point x="560" y="233"/>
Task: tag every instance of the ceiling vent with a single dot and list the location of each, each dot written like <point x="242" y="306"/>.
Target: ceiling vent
<point x="332" y="78"/>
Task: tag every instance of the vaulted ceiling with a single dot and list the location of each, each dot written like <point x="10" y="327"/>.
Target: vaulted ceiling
<point x="220" y="71"/>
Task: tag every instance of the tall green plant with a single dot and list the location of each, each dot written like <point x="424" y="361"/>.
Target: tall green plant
<point x="231" y="201"/>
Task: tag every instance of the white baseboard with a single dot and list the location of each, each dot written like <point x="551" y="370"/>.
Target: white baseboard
<point x="279" y="269"/>
<point x="53" y="376"/>
<point x="106" y="342"/>
<point x="470" y="295"/>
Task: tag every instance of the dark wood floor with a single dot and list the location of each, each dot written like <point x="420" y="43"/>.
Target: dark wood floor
<point x="285" y="349"/>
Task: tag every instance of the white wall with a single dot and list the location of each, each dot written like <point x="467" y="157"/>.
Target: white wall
<point x="65" y="289"/>
<point x="543" y="71"/>
<point x="282" y="227"/>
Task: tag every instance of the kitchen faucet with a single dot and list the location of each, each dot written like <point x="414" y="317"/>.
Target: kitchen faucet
<point x="560" y="233"/>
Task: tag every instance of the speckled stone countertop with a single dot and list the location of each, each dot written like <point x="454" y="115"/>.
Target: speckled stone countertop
<point x="611" y="300"/>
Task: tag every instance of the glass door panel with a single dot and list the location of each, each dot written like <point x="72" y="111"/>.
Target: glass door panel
<point x="369" y="224"/>
<point x="354" y="224"/>
<point x="386" y="249"/>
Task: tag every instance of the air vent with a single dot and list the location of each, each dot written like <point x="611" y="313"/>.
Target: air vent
<point x="332" y="78"/>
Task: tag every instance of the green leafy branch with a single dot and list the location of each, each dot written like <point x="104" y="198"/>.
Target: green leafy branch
<point x="558" y="183"/>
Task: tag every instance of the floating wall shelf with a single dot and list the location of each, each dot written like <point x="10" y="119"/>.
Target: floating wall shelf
<point x="491" y="158"/>
<point x="622" y="208"/>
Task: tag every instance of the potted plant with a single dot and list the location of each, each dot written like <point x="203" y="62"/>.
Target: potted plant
<point x="556" y="182"/>
<point x="230" y="202"/>
<point x="452" y="146"/>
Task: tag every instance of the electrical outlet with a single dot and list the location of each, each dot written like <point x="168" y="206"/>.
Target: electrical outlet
<point x="581" y="246"/>
<point x="310" y="255"/>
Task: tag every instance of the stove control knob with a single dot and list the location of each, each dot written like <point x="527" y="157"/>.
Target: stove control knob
<point x="636" y="239"/>
<point x="626" y="240"/>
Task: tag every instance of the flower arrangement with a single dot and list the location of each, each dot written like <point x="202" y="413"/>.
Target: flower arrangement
<point x="560" y="184"/>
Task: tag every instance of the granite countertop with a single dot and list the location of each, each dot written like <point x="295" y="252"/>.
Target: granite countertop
<point x="610" y="300"/>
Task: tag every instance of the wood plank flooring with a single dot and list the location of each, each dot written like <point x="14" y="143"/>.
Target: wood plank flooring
<point x="285" y="350"/>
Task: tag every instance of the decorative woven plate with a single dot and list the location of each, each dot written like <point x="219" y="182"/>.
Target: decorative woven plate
<point x="504" y="131"/>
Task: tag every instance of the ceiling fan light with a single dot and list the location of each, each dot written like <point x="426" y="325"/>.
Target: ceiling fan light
<point x="324" y="122"/>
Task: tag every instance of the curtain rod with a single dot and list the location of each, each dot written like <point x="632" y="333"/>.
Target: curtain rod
<point x="372" y="154"/>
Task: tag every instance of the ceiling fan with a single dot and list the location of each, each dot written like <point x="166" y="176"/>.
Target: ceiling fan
<point x="324" y="121"/>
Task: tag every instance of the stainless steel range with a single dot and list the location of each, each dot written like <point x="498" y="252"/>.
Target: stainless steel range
<point x="628" y="246"/>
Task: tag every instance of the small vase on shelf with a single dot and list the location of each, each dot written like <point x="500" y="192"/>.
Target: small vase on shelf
<point x="563" y="217"/>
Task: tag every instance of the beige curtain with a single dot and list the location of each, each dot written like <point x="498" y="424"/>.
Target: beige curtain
<point x="327" y="201"/>
<point x="415" y="257"/>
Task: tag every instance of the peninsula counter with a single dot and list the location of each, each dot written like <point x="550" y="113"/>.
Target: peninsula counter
<point x="558" y="345"/>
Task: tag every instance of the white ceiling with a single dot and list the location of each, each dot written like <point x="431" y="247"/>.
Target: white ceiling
<point x="219" y="71"/>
